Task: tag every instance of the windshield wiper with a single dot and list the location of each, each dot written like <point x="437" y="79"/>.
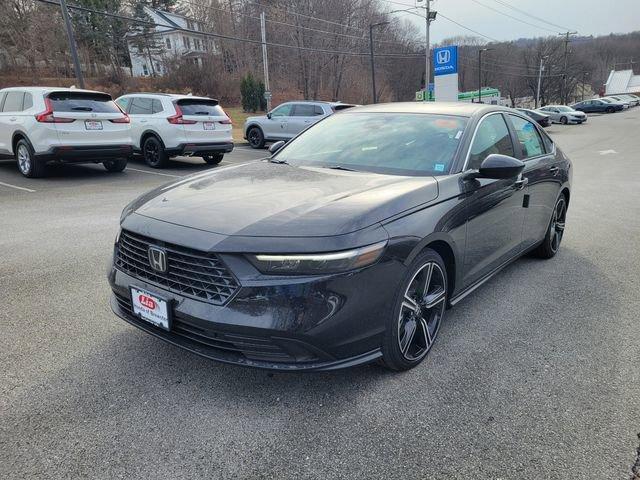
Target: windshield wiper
<point x="340" y="167"/>
<point x="82" y="109"/>
<point x="282" y="162"/>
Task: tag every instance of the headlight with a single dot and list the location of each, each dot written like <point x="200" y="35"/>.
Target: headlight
<point x="318" y="263"/>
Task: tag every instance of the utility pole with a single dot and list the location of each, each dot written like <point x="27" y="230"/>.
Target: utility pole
<point x="72" y="43"/>
<point x="373" y="65"/>
<point x="427" y="69"/>
<point x="265" y="61"/>
<point x="540" y="79"/>
<point x="480" y="72"/>
<point x="567" y="35"/>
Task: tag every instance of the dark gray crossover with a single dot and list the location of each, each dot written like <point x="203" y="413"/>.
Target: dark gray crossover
<point x="348" y="244"/>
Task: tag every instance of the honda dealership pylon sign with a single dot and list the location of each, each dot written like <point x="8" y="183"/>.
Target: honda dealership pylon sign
<point x="445" y="72"/>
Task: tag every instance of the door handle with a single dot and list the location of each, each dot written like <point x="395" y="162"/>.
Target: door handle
<point x="521" y="183"/>
<point x="13" y="119"/>
<point x="554" y="170"/>
<point x="143" y="121"/>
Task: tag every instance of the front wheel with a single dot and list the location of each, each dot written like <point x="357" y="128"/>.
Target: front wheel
<point x="610" y="110"/>
<point x="255" y="137"/>
<point x="420" y="306"/>
<point x="551" y="243"/>
<point x="213" y="159"/>
<point x="117" y="165"/>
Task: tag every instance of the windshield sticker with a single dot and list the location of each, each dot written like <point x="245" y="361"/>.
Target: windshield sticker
<point x="458" y="135"/>
<point x="439" y="167"/>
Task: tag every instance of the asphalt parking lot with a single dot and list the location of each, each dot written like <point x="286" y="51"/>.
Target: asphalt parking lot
<point x="535" y="375"/>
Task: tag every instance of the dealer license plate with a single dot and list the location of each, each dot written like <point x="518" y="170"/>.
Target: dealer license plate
<point x="209" y="126"/>
<point x="93" y="125"/>
<point x="151" y="308"/>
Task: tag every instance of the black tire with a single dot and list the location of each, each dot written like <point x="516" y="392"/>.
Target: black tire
<point x="610" y="110"/>
<point x="563" y="120"/>
<point x="115" y="166"/>
<point x="255" y="137"/>
<point x="214" y="159"/>
<point x="28" y="165"/>
<point x="154" y="153"/>
<point x="412" y="327"/>
<point x="553" y="237"/>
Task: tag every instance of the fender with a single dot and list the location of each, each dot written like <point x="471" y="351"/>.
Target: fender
<point x="146" y="132"/>
<point x="13" y="138"/>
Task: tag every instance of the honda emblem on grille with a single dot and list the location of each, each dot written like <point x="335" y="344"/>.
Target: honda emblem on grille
<point x="158" y="259"/>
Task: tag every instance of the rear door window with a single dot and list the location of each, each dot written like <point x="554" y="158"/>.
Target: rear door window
<point x="27" y="103"/>
<point x="141" y="106"/>
<point x="83" y="102"/>
<point x="200" y="107"/>
<point x="157" y="106"/>
<point x="13" y="102"/>
<point x="303" y="110"/>
<point x="528" y="136"/>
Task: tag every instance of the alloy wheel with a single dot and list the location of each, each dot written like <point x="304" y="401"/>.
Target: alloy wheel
<point x="24" y="159"/>
<point x="151" y="152"/>
<point x="254" y="137"/>
<point x="557" y="223"/>
<point x="421" y="312"/>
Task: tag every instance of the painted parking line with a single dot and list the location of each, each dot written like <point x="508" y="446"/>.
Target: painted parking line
<point x="16" y="187"/>
<point x="154" y="173"/>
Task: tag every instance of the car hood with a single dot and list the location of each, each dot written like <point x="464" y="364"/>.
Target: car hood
<point x="257" y="118"/>
<point x="279" y="200"/>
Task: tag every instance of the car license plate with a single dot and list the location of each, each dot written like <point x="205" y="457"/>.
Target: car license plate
<point x="209" y="126"/>
<point x="93" y="125"/>
<point x="151" y="308"/>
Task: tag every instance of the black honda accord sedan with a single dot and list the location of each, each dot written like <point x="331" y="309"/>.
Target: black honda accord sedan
<point x="348" y="244"/>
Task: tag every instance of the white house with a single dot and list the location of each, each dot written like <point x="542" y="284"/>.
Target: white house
<point x="622" y="81"/>
<point x="150" y="54"/>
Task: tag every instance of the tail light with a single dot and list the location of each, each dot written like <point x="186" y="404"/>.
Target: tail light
<point x="228" y="121"/>
<point x="47" y="115"/>
<point x="124" y="119"/>
<point x="177" y="118"/>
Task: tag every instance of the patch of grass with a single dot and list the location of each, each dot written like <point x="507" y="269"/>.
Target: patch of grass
<point x="239" y="117"/>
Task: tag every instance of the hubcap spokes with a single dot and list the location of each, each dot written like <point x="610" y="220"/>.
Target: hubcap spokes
<point x="24" y="159"/>
<point x="152" y="152"/>
<point x="421" y="312"/>
<point x="557" y="224"/>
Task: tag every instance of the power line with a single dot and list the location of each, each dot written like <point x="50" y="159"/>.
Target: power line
<point x="346" y="35"/>
<point x="229" y="37"/>
<point x="501" y="2"/>
<point x="514" y="18"/>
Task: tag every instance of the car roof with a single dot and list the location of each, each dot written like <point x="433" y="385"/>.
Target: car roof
<point x="323" y="102"/>
<point x="174" y="96"/>
<point x="45" y="90"/>
<point x="438" y="108"/>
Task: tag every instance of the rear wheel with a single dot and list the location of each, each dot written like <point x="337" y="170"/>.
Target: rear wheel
<point x="154" y="153"/>
<point x="29" y="166"/>
<point x="551" y="243"/>
<point x="419" y="309"/>
<point x="213" y="159"/>
<point x="255" y="137"/>
<point x="117" y="165"/>
<point x="563" y="120"/>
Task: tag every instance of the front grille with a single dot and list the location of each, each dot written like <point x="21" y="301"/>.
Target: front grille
<point x="189" y="272"/>
<point x="252" y="348"/>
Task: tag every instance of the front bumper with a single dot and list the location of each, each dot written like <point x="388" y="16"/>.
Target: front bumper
<point x="85" y="153"/>
<point x="197" y="149"/>
<point x="286" y="324"/>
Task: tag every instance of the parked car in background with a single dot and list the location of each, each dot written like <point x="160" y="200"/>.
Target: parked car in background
<point x="564" y="114"/>
<point x="165" y="126"/>
<point x="541" y="118"/>
<point x="623" y="98"/>
<point x="610" y="101"/>
<point x="287" y="120"/>
<point x="597" y="105"/>
<point x="45" y="125"/>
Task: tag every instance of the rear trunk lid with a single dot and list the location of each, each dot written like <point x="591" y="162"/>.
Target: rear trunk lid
<point x="204" y="121"/>
<point x="88" y="118"/>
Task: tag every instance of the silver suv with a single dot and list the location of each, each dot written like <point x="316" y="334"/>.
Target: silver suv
<point x="287" y="120"/>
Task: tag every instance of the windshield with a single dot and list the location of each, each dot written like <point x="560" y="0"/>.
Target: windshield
<point x="82" y="102"/>
<point x="391" y="143"/>
<point x="201" y="107"/>
<point x="565" y="109"/>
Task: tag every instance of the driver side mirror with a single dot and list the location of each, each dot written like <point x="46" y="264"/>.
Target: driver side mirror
<point x="500" y="166"/>
<point x="269" y="115"/>
<point x="276" y="146"/>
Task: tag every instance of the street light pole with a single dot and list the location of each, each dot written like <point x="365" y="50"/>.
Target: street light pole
<point x="540" y="79"/>
<point x="427" y="69"/>
<point x="72" y="43"/>
<point x="373" y="65"/>
<point x="480" y="72"/>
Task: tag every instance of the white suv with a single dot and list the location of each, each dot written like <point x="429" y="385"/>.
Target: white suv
<point x="164" y="126"/>
<point x="47" y="125"/>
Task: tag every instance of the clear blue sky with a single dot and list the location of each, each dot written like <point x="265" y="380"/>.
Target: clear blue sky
<point x="588" y="17"/>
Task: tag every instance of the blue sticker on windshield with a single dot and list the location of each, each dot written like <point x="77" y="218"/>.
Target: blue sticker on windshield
<point x="439" y="167"/>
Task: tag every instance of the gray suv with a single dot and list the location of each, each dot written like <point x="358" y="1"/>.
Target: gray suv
<point x="287" y="120"/>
